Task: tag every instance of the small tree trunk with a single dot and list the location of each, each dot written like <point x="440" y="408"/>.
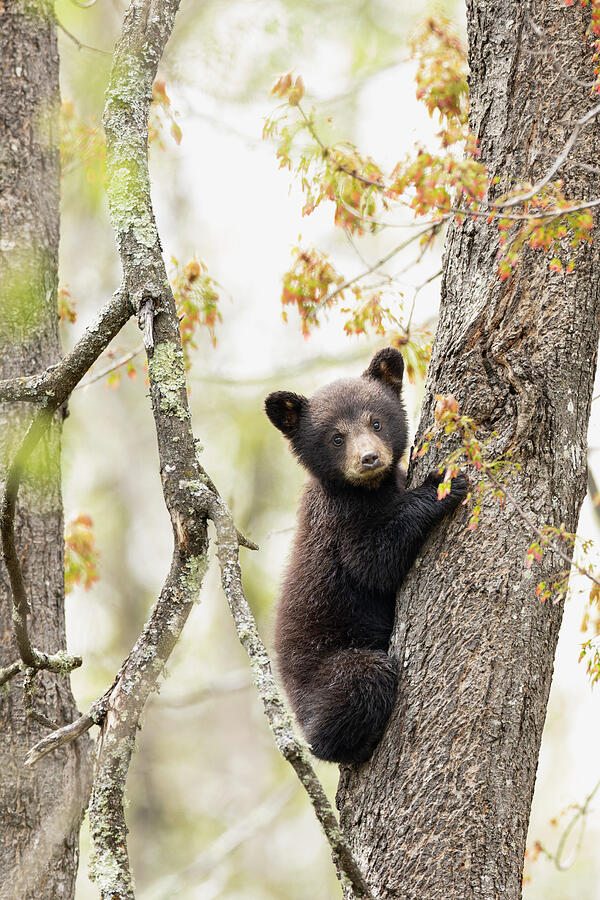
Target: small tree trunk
<point x="41" y="808"/>
<point x="441" y="811"/>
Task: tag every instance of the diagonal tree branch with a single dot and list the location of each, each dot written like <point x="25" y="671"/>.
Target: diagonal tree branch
<point x="50" y="389"/>
<point x="292" y="749"/>
<point x="53" y="386"/>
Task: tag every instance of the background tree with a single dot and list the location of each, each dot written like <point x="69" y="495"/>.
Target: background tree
<point x="41" y="812"/>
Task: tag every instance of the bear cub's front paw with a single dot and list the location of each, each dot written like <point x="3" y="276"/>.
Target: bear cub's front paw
<point x="459" y="486"/>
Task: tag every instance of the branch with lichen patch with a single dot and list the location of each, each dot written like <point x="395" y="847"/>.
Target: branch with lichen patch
<point x="292" y="749"/>
<point x="53" y="386"/>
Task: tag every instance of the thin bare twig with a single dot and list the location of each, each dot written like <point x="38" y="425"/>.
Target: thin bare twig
<point x="580" y="814"/>
<point x="221" y="848"/>
<point x="380" y="262"/>
<point x="67" y="733"/>
<point x="10" y="671"/>
<point x="122" y="361"/>
<point x="231" y="683"/>
<point x="549" y="214"/>
<point x="550" y="54"/>
<point x="595" y="170"/>
<point x="79" y="44"/>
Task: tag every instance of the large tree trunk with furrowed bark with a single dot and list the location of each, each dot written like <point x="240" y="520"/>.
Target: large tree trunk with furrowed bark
<point x="441" y="811"/>
<point x="41" y="808"/>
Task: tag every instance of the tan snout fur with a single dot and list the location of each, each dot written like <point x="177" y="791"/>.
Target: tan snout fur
<point x="358" y="442"/>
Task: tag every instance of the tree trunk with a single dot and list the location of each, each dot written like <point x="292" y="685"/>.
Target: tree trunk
<point x="442" y="809"/>
<point x="40" y="808"/>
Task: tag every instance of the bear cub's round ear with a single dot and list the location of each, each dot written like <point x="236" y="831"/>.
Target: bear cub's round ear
<point x="387" y="366"/>
<point x="284" y="410"/>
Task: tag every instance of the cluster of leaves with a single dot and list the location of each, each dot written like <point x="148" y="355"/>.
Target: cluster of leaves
<point x="436" y="184"/>
<point x="590" y="654"/>
<point x="308" y="286"/>
<point x="442" y="74"/>
<point x="337" y="172"/>
<point x="197" y="301"/>
<point x="590" y="649"/>
<point x="114" y="377"/>
<point x="162" y="116"/>
<point x="471" y="449"/>
<point x="547" y="232"/>
<point x="415" y="344"/>
<point x="81" y="555"/>
<point x="551" y="535"/>
<point x="369" y="315"/>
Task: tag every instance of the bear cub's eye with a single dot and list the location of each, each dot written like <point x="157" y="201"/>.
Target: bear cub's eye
<point x="338" y="439"/>
<point x="376" y="425"/>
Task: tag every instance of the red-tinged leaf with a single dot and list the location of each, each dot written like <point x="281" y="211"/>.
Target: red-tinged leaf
<point x="443" y="490"/>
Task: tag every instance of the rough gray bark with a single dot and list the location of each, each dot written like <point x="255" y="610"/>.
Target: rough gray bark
<point x="441" y="811"/>
<point x="40" y="810"/>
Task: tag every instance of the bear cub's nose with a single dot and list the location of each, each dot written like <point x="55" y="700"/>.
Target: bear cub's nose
<point x="369" y="460"/>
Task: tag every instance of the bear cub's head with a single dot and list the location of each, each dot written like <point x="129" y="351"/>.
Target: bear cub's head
<point x="353" y="431"/>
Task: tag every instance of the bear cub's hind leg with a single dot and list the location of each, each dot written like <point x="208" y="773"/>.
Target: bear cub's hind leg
<point x="349" y="702"/>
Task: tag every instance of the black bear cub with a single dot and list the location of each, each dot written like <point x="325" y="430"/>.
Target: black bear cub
<point x="359" y="531"/>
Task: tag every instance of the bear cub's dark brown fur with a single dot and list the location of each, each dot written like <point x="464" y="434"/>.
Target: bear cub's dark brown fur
<point x="359" y="531"/>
